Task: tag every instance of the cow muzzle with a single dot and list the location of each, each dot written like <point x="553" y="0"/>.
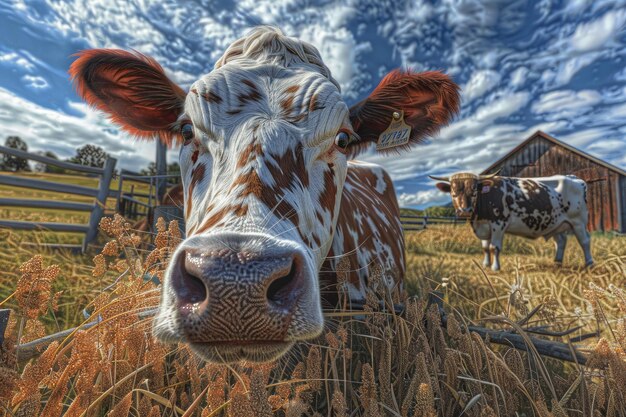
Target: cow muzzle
<point x="239" y="297"/>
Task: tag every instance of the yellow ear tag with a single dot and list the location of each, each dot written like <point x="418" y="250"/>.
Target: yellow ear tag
<point x="397" y="134"/>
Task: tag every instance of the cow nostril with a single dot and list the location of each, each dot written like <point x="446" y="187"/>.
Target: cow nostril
<point x="282" y="291"/>
<point x="189" y="287"/>
<point x="193" y="289"/>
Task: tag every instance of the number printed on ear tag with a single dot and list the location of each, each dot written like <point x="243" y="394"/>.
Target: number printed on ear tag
<point x="397" y="134"/>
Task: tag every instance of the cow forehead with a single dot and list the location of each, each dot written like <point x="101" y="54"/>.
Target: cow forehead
<point x="225" y="99"/>
<point x="466" y="184"/>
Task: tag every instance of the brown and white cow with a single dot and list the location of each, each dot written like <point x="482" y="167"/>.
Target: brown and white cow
<point x="271" y="201"/>
<point x="547" y="207"/>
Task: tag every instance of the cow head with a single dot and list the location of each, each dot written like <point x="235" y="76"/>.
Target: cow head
<point x="265" y="139"/>
<point x="464" y="188"/>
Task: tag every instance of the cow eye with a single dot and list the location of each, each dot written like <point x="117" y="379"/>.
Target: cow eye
<point x="186" y="131"/>
<point x="342" y="140"/>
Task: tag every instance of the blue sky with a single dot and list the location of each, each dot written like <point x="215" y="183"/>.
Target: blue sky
<point x="558" y="66"/>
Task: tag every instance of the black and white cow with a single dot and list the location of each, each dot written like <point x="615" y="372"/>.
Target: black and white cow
<point x="547" y="207"/>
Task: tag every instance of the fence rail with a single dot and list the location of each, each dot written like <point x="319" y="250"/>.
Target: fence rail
<point x="47" y="186"/>
<point x="51" y="161"/>
<point x="45" y="204"/>
<point x="96" y="209"/>
<point x="53" y="227"/>
<point x="415" y="223"/>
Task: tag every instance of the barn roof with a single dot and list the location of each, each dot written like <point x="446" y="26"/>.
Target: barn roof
<point x="557" y="142"/>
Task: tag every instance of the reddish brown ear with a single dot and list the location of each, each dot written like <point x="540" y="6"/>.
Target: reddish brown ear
<point x="132" y="88"/>
<point x="443" y="186"/>
<point x="429" y="101"/>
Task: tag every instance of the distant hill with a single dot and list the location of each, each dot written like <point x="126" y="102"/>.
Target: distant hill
<point x="434" y="211"/>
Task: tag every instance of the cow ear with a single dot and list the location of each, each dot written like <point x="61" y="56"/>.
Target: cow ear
<point x="443" y="186"/>
<point x="131" y="88"/>
<point x="429" y="100"/>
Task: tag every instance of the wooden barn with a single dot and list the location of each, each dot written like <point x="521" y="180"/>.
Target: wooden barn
<point x="542" y="155"/>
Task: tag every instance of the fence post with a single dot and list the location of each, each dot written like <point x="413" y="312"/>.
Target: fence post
<point x="120" y="194"/>
<point x="161" y="169"/>
<point x="101" y="200"/>
<point x="4" y="321"/>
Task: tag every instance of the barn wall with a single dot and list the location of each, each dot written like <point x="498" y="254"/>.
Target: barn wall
<point x="542" y="158"/>
<point x="622" y="192"/>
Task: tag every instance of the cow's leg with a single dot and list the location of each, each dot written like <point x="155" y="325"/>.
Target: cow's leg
<point x="487" y="260"/>
<point x="561" y="241"/>
<point x="497" y="237"/>
<point x="582" y="235"/>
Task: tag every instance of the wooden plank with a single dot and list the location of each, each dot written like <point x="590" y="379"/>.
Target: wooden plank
<point x="14" y="181"/>
<point x="101" y="200"/>
<point x="51" y="161"/>
<point x="45" y="204"/>
<point x="614" y="181"/>
<point x="54" y="245"/>
<point x="622" y="202"/>
<point x="55" y="227"/>
<point x="410" y="216"/>
<point x="161" y="168"/>
<point x="609" y="223"/>
<point x="429" y="222"/>
<point x="595" y="206"/>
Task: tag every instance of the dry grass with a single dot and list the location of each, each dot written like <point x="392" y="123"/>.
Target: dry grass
<point x="448" y="259"/>
<point x="367" y="363"/>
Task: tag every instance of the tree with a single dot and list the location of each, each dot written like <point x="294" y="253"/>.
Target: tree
<point x="91" y="156"/>
<point x="15" y="163"/>
<point x="43" y="167"/>
<point x="150" y="170"/>
<point x="172" y="168"/>
<point x="440" y="211"/>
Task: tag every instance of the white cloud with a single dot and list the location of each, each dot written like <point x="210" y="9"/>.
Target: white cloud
<point x="574" y="7"/>
<point x="35" y="82"/>
<point x="479" y="83"/>
<point x="518" y="77"/>
<point x="600" y="32"/>
<point x="338" y="50"/>
<point x="567" y="103"/>
<point x="430" y="197"/>
<point x="586" y="137"/>
<point x="504" y="106"/>
<point x="618" y="112"/>
<point x="46" y="129"/>
<point x="606" y="146"/>
<point x="16" y="59"/>
<point x="571" y="66"/>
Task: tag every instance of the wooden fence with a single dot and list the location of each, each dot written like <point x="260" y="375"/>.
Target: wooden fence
<point x="415" y="223"/>
<point x="96" y="209"/>
<point x="132" y="204"/>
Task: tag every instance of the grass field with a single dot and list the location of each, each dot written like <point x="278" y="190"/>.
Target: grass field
<point x="366" y="364"/>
